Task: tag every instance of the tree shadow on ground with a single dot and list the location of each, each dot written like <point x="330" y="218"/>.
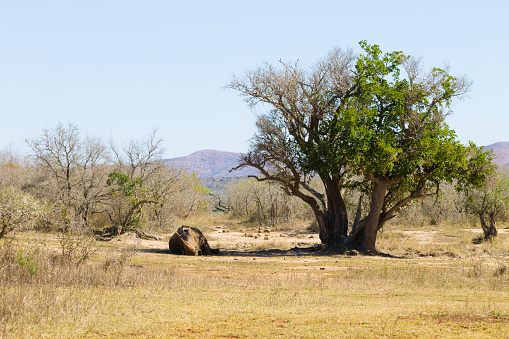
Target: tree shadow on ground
<point x="294" y="252"/>
<point x="154" y="251"/>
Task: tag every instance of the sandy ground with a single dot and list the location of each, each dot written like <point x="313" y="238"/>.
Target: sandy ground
<point x="425" y="237"/>
<point x="263" y="241"/>
<point x="222" y="238"/>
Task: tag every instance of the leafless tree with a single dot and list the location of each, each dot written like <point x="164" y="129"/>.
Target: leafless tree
<point x="264" y="202"/>
<point x="165" y="184"/>
<point x="157" y="192"/>
<point x="139" y="158"/>
<point x="73" y="171"/>
<point x="15" y="169"/>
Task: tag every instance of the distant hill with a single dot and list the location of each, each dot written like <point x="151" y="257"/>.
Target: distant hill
<point x="211" y="163"/>
<point x="217" y="164"/>
<point x="501" y="150"/>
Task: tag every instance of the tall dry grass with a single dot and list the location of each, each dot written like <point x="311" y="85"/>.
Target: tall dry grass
<point x="440" y="287"/>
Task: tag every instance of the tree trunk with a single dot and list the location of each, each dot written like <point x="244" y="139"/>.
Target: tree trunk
<point x="490" y="231"/>
<point x="144" y="235"/>
<point x="3" y="231"/>
<point x="493" y="229"/>
<point x="122" y="227"/>
<point x="335" y="218"/>
<point x="371" y="222"/>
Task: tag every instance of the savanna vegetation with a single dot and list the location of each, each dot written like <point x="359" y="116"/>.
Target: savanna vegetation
<point x="81" y="182"/>
<point x="355" y="157"/>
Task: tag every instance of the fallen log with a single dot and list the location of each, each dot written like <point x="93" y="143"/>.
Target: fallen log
<point x="147" y="236"/>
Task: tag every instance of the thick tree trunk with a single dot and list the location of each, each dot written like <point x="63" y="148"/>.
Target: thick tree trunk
<point x="371" y="222"/>
<point x="335" y="219"/>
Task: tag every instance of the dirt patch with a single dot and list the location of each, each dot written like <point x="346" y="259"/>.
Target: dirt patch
<point x="422" y="237"/>
<point x="478" y="230"/>
<point x="232" y="243"/>
<point x="222" y="238"/>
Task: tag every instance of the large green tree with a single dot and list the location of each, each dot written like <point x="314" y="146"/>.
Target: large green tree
<point x="399" y="141"/>
<point x="356" y="122"/>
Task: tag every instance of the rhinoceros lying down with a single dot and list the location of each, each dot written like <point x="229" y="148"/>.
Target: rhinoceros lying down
<point x="190" y="241"/>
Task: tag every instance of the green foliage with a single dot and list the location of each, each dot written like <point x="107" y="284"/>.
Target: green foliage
<point x="126" y="185"/>
<point x="399" y="142"/>
<point x="128" y="189"/>
<point x="490" y="202"/>
<point x="27" y="260"/>
<point x="197" y="186"/>
<point x="397" y="125"/>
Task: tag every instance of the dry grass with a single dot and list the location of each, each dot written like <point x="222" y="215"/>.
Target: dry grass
<point x="428" y="288"/>
<point x="443" y="240"/>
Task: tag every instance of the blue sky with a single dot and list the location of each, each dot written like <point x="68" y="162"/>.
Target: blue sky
<point x="122" y="68"/>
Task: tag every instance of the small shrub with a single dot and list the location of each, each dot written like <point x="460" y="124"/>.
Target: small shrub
<point x="77" y="244"/>
<point x="27" y="260"/>
<point x="118" y="264"/>
<point x="500" y="270"/>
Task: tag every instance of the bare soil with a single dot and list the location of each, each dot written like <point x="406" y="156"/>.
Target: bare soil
<point x="220" y="237"/>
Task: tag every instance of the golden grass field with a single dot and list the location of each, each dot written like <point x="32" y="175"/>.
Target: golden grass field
<point x="431" y="283"/>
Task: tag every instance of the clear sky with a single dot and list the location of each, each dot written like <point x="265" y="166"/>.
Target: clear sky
<point x="121" y="68"/>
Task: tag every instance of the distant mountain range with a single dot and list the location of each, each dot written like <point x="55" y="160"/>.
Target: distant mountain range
<point x="216" y="164"/>
<point x="501" y="150"/>
<point x="211" y="163"/>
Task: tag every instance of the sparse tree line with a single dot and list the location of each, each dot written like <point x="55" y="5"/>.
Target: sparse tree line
<point x="81" y="181"/>
<point x="264" y="203"/>
<point x="478" y="207"/>
<point x="71" y="180"/>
